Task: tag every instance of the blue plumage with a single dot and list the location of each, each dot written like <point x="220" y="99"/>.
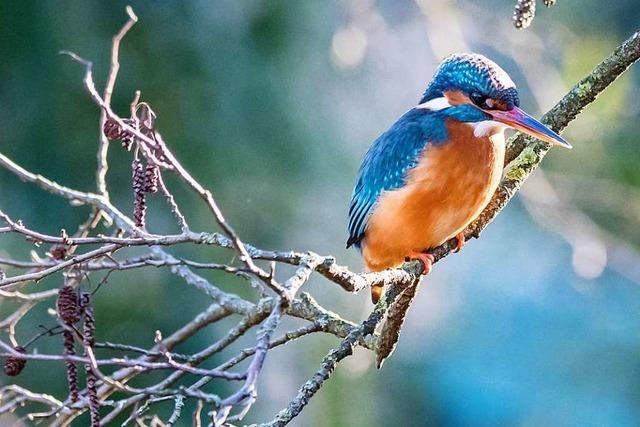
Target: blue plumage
<point x="432" y="173"/>
<point x="395" y="152"/>
<point x="392" y="155"/>
<point x="471" y="73"/>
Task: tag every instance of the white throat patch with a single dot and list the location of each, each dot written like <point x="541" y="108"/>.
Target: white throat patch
<point x="487" y="128"/>
<point x="435" y="104"/>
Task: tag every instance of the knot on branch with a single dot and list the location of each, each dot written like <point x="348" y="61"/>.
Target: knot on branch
<point x="58" y="252"/>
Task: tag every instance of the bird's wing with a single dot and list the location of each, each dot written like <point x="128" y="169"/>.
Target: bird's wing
<point x="387" y="162"/>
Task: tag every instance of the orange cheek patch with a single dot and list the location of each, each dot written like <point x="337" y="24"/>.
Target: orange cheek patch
<point x="497" y="104"/>
<point x="456" y="97"/>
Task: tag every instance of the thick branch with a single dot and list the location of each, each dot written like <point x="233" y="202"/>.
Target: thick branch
<point x="267" y="313"/>
<point x="526" y="160"/>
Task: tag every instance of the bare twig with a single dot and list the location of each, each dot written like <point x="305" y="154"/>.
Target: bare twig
<point x="182" y="221"/>
<point x="86" y="253"/>
<point x="525" y="158"/>
<point x="103" y="146"/>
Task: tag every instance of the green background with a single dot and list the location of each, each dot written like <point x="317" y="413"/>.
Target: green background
<point x="271" y="105"/>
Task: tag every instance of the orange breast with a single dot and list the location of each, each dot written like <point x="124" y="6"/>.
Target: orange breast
<point x="448" y="188"/>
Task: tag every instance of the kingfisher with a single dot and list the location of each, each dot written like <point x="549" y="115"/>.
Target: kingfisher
<point x="425" y="179"/>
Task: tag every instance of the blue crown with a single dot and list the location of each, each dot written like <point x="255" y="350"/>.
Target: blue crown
<point x="472" y="73"/>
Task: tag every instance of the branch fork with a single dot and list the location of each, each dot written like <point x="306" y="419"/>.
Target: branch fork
<point x="85" y="253"/>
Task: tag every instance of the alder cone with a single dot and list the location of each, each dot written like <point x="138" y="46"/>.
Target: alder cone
<point x="14" y="365"/>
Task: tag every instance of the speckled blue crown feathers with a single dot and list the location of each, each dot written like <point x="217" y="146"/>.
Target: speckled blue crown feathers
<point x="471" y="72"/>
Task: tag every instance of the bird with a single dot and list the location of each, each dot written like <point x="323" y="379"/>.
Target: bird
<point x="426" y="178"/>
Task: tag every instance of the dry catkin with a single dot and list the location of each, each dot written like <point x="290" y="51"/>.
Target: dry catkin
<point x="67" y="305"/>
<point x="89" y="330"/>
<point x="139" y="187"/>
<point x="92" y="393"/>
<point x="69" y="311"/>
<point x="151" y="174"/>
<point x="72" y="370"/>
<point x="88" y="338"/>
<point x="524" y="13"/>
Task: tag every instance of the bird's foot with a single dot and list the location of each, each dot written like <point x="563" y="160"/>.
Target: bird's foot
<point x="426" y="259"/>
<point x="461" y="241"/>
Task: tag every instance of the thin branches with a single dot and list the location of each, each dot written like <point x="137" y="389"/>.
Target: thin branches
<point x="110" y="367"/>
<point x="523" y="160"/>
<point x="103" y="144"/>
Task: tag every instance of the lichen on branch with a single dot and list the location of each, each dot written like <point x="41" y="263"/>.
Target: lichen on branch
<point x="273" y="295"/>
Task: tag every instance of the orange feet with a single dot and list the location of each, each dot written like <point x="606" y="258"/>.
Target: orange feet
<point x="461" y="242"/>
<point x="426" y="259"/>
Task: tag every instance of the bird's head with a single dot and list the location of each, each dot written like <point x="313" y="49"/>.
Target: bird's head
<point x="474" y="89"/>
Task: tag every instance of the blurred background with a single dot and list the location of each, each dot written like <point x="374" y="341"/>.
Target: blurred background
<point x="272" y="104"/>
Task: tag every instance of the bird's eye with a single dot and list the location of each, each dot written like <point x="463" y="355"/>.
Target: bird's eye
<point x="478" y="99"/>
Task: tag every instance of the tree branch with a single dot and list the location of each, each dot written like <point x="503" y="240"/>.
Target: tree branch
<point x="271" y="298"/>
<point x="526" y="154"/>
<point x="103" y="144"/>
